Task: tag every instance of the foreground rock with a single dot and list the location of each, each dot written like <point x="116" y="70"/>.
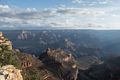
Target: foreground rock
<point x="9" y="72"/>
<point x="5" y="43"/>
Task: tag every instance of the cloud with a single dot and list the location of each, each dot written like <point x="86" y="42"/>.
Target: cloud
<point x="93" y="2"/>
<point x="86" y="12"/>
<point x="56" y="17"/>
<point x="4" y="8"/>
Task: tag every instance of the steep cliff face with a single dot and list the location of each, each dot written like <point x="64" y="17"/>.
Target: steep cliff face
<point x="25" y="35"/>
<point x="61" y="64"/>
<point x="5" y="43"/>
<point x="9" y="72"/>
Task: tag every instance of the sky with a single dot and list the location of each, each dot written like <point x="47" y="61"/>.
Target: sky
<point x="73" y="14"/>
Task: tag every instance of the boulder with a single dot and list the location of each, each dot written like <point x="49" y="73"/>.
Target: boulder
<point x="9" y="72"/>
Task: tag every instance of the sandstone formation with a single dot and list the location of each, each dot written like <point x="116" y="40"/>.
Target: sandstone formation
<point x="9" y="72"/>
<point x="4" y="42"/>
<point x="61" y="64"/>
<point x="26" y="61"/>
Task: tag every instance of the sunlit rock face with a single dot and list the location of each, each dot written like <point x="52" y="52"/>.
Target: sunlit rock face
<point x="5" y="43"/>
<point x="9" y="72"/>
<point x="61" y="63"/>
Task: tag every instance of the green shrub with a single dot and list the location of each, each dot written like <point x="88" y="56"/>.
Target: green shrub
<point x="8" y="58"/>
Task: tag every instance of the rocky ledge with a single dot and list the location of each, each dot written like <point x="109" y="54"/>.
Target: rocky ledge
<point x="60" y="63"/>
<point x="9" y="72"/>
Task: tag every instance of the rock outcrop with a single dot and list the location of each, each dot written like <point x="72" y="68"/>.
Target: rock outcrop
<point x="5" y="43"/>
<point x="9" y="72"/>
<point x="25" y="35"/>
<point x="26" y="61"/>
<point x="61" y="64"/>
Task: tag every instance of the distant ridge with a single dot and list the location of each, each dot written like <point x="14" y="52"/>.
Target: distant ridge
<point x="53" y="28"/>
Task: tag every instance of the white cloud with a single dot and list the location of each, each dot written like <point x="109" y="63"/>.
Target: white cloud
<point x="93" y="2"/>
<point x="57" y="17"/>
<point x="76" y="1"/>
<point x="4" y="8"/>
